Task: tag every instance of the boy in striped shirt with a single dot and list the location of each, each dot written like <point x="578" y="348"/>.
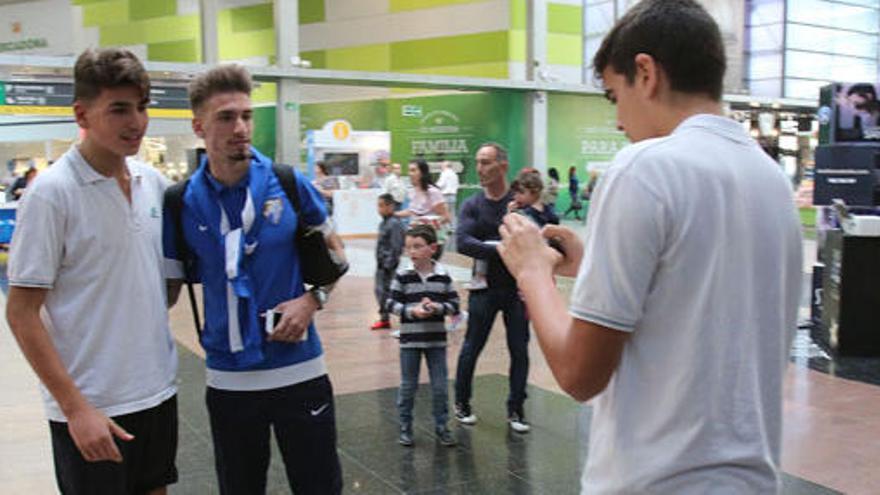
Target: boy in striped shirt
<point x="422" y="295"/>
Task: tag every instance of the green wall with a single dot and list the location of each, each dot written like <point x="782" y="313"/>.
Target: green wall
<point x="581" y="130"/>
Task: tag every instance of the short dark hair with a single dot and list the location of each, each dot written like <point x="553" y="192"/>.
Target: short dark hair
<point x="387" y="199"/>
<point x="227" y="78"/>
<point x="424" y="231"/>
<point x="96" y="70"/>
<point x="528" y="179"/>
<point x="500" y="151"/>
<point x="863" y="89"/>
<point x="681" y="37"/>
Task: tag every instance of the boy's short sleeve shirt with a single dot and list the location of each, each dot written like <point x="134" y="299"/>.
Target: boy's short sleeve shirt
<point x="100" y="260"/>
<point x="693" y="246"/>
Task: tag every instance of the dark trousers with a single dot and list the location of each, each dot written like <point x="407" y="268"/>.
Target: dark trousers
<point x="147" y="460"/>
<point x="483" y="306"/>
<point x="410" y="365"/>
<point x="382" y="289"/>
<point x="304" y="420"/>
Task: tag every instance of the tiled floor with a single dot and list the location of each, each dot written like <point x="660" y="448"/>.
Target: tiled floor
<point x="831" y="437"/>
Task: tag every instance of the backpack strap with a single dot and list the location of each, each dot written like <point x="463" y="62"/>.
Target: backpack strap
<point x="173" y="204"/>
<point x="287" y="178"/>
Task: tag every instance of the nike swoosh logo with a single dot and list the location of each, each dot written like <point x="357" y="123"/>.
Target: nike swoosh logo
<point x="203" y="228"/>
<point x="315" y="412"/>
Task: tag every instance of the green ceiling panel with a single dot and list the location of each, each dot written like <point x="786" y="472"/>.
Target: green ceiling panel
<point x="369" y="57"/>
<point x="247" y="44"/>
<point x="518" y="14"/>
<point x="140" y="10"/>
<point x="563" y="49"/>
<point x="564" y="19"/>
<point x="252" y="18"/>
<point x="105" y="13"/>
<point x="174" y="51"/>
<point x="311" y="11"/>
<point x="318" y="58"/>
<point x="495" y="70"/>
<point x="450" y="50"/>
<point x="517" y="46"/>
<point x="402" y="5"/>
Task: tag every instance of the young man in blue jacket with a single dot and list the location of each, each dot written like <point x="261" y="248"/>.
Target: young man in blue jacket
<point x="240" y="227"/>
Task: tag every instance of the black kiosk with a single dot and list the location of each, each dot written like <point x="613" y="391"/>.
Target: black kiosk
<point x="846" y="282"/>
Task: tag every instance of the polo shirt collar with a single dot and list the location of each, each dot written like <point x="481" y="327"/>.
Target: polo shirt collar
<point x="219" y="187"/>
<point x="86" y="174"/>
<point x="716" y="124"/>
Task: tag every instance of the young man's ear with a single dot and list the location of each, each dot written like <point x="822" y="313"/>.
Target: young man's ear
<point x="648" y="74"/>
<point x="79" y="113"/>
<point x="197" y="127"/>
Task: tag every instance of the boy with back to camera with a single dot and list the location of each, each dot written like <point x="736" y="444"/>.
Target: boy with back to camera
<point x="389" y="247"/>
<point x="691" y="264"/>
<point x="422" y="295"/>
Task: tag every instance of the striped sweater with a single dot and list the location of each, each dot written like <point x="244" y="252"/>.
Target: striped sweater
<point x="407" y="291"/>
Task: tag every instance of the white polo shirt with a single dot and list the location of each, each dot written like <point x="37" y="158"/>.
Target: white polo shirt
<point x="693" y="245"/>
<point x="100" y="258"/>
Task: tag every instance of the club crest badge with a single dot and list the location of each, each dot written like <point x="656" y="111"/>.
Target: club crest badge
<point x="272" y="210"/>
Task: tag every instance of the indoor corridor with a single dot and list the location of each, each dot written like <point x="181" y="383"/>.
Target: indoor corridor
<point x="830" y="433"/>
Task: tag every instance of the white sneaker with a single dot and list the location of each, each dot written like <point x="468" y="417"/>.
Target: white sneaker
<point x="395" y="334"/>
<point x="518" y="423"/>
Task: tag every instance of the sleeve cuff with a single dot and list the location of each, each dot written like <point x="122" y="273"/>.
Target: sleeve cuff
<point x="173" y="269"/>
<point x="604" y="321"/>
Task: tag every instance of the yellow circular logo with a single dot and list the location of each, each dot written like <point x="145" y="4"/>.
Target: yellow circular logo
<point x="341" y="130"/>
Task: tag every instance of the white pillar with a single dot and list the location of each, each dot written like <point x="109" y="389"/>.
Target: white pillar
<point x="208" y="14"/>
<point x="287" y="139"/>
<point x="536" y="70"/>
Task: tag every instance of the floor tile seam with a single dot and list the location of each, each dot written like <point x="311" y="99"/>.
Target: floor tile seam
<point x="354" y="460"/>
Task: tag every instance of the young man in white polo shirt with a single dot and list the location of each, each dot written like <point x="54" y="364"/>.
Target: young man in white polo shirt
<point x="688" y="281"/>
<point x="87" y="249"/>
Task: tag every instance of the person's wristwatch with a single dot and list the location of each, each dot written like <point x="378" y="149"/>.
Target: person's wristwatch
<point x="320" y="296"/>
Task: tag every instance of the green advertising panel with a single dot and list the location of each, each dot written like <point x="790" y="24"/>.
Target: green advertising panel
<point x="367" y="115"/>
<point x="581" y="133"/>
<point x="451" y="127"/>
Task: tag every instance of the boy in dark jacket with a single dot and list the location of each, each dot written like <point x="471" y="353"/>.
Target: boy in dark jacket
<point x="389" y="246"/>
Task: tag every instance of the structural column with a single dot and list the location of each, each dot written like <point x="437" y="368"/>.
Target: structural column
<point x="287" y="138"/>
<point x="536" y="70"/>
<point x="208" y="11"/>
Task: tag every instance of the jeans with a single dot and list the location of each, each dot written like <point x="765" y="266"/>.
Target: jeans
<point x="483" y="306"/>
<point x="410" y="365"/>
<point x="304" y="420"/>
<point x="382" y="290"/>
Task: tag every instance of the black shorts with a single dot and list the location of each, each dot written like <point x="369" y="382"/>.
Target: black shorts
<point x="147" y="461"/>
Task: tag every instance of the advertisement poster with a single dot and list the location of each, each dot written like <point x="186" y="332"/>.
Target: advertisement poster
<point x="857" y="112"/>
<point x="581" y="133"/>
<point x="451" y="127"/>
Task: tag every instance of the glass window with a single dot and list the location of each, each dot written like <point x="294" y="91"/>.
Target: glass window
<point x="834" y="14"/>
<point x="766" y="87"/>
<point x="765" y="65"/>
<point x="767" y="37"/>
<point x="831" y="40"/>
<point x="765" y="12"/>
<point x="824" y="66"/>
<point x="600" y="18"/>
<point x="804" y="88"/>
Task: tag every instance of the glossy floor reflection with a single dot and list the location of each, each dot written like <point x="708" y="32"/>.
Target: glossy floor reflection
<point x="489" y="459"/>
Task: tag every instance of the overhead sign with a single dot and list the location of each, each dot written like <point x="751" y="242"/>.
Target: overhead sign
<point x="56" y="98"/>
